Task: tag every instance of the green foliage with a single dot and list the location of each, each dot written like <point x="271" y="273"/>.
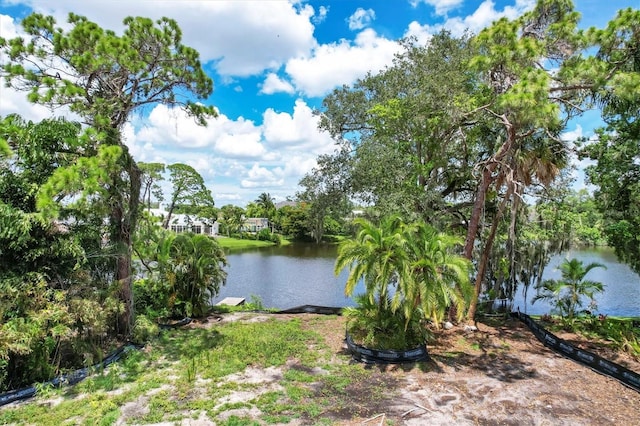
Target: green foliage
<point x="324" y="196"/>
<point x="143" y="330"/>
<point x="292" y="221"/>
<point x="231" y="219"/>
<point x="377" y="328"/>
<point x="53" y="298"/>
<point x="150" y="176"/>
<point x="148" y="60"/>
<point x="409" y="271"/>
<point x="185" y="271"/>
<point x="107" y="77"/>
<point x="263" y="206"/>
<point x="619" y="334"/>
<point x="188" y="189"/>
<point x="266" y="235"/>
<point x="398" y="133"/>
<point x="566" y="294"/>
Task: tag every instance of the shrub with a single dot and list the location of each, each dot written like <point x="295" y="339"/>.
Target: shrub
<point x="377" y="328"/>
<point x="144" y="329"/>
<point x="264" y="235"/>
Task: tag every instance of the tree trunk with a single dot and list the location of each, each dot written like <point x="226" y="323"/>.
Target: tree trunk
<point x="478" y="206"/>
<point x="124" y="216"/>
<point x="482" y="266"/>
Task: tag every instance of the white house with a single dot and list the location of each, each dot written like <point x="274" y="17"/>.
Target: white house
<point x="255" y="224"/>
<point x="188" y="223"/>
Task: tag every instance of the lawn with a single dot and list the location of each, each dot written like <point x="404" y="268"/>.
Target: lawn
<point x="235" y="243"/>
<point x="214" y="371"/>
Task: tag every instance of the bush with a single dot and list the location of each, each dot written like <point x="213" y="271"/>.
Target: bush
<point x="151" y="298"/>
<point x="266" y="235"/>
<point x="143" y="329"/>
<point x="377" y="328"/>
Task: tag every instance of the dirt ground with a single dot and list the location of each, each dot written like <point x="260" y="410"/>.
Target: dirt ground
<point x="498" y="375"/>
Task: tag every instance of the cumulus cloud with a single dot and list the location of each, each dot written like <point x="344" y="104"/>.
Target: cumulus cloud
<point x="172" y="127"/>
<point x="342" y="62"/>
<point x="481" y="18"/>
<point x="298" y="130"/>
<point x="8" y="28"/>
<point x="261" y="177"/>
<point x="274" y="84"/>
<point x="361" y="18"/>
<point x="441" y="6"/>
<point x="242" y="37"/>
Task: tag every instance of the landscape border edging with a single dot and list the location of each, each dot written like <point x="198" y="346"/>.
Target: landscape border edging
<point x="601" y="365"/>
<point x="387" y="356"/>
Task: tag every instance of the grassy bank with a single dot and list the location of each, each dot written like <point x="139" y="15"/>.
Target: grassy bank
<point x="235" y="243"/>
<point x="203" y="372"/>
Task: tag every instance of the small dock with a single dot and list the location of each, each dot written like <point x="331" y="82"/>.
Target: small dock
<point x="231" y="301"/>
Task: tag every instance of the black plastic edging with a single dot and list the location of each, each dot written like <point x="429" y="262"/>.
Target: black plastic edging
<point x="311" y="309"/>
<point x="184" y="321"/>
<point x="66" y="379"/>
<point x="387" y="356"/>
<point x="78" y="375"/>
<point x="591" y="360"/>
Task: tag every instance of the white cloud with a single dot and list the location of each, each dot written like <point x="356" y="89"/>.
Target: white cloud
<point x="7" y="27"/>
<point x="361" y="18"/>
<point x="572" y="135"/>
<point x="274" y="84"/>
<point x="422" y="33"/>
<point x="298" y="130"/>
<point x="321" y="16"/>
<point x="441" y="6"/>
<point x="13" y="102"/>
<point x="341" y="63"/>
<point x="261" y="177"/>
<point x="172" y="127"/>
<point x="481" y="18"/>
<point x="298" y="166"/>
<point x="242" y="37"/>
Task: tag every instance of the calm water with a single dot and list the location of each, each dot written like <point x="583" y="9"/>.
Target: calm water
<point x="287" y="276"/>
<point x="621" y="294"/>
<point x="301" y="274"/>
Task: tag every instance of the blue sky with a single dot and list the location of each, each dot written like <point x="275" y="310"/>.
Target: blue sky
<point x="272" y="62"/>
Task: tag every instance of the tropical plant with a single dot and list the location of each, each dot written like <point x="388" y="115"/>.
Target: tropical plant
<point x="383" y="329"/>
<point x="439" y="277"/>
<point x="188" y="189"/>
<point x="265" y="204"/>
<point x="104" y="78"/>
<point x="567" y="293"/>
<point x="231" y="218"/>
<point x="193" y="265"/>
<point x="410" y="271"/>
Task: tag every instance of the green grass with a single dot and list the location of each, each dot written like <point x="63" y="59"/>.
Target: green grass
<point x="234" y="243"/>
<point x="183" y="373"/>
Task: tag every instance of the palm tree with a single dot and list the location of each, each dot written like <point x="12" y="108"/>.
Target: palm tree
<point x="377" y="255"/>
<point x="196" y="272"/>
<point x="265" y="202"/>
<point x="439" y="277"/>
<point x="566" y="294"/>
<point x="410" y="270"/>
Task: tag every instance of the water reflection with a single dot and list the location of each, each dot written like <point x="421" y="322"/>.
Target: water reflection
<point x="299" y="274"/>
<point x="287" y="276"/>
<point x="621" y="295"/>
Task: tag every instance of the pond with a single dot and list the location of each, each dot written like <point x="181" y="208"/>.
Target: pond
<point x="621" y="294"/>
<point x="287" y="276"/>
<point x="302" y="274"/>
